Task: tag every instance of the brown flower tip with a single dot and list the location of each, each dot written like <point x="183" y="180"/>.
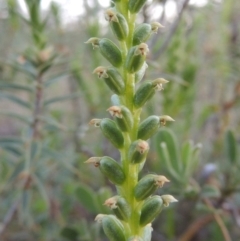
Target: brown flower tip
<point x="95" y="122"/>
<point x="160" y="180"/>
<point x="168" y="199"/>
<point x="94" y="41"/>
<point x="99" y="217"/>
<point x="111" y="202"/>
<point x="141" y="49"/>
<point x="110" y="15"/>
<point x="155" y="26"/>
<point x="115" y="111"/>
<point x="101" y="72"/>
<point x="164" y="119"/>
<point x="94" y="160"/>
<point x="142" y="146"/>
<point x="158" y="83"/>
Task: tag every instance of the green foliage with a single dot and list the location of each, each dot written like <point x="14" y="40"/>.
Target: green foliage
<point x="180" y="164"/>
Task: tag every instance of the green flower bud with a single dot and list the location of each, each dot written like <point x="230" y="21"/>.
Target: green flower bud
<point x="135" y="5"/>
<point x="112" y="227"/>
<point x="143" y="32"/>
<point x="150" y="209"/>
<point x="115" y="100"/>
<point x="150" y="126"/>
<point x="118" y="23"/>
<point x="112" y="78"/>
<point x="148" y="185"/>
<point x="110" y="168"/>
<point x="119" y="206"/>
<point x="136" y="57"/>
<point x="140" y="74"/>
<point x="138" y="151"/>
<point x="147" y="90"/>
<point x="110" y="131"/>
<point x="147" y="232"/>
<point x="123" y="116"/>
<point x="108" y="49"/>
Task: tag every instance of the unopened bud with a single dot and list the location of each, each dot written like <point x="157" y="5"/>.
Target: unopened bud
<point x="112" y="78"/>
<point x="150" y="125"/>
<point x="118" y="23"/>
<point x="119" y="206"/>
<point x="148" y="185"/>
<point x="140" y="74"/>
<point x="147" y="90"/>
<point x="136" y="57"/>
<point x="115" y="100"/>
<point x="135" y="6"/>
<point x="138" y="151"/>
<point x="150" y="209"/>
<point x="112" y="227"/>
<point x="168" y="199"/>
<point x="147" y="232"/>
<point x="108" y="49"/>
<point x="143" y="32"/>
<point x="123" y="116"/>
<point x="112" y="133"/>
<point x="109" y="167"/>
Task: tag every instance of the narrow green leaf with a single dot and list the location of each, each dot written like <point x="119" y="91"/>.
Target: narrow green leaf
<point x="55" y="79"/>
<point x="61" y="98"/>
<point x="164" y="156"/>
<point x="14" y="86"/>
<point x="17" y="116"/>
<point x="26" y="68"/>
<point x="53" y="123"/>
<point x="230" y="147"/>
<point x="87" y="198"/>
<point x="14" y="140"/>
<point x="186" y="157"/>
<point x="18" y="168"/>
<point x="41" y="188"/>
<point x="12" y="145"/>
<point x="167" y="136"/>
<point x="15" y="150"/>
<point x="195" y="156"/>
<point x="16" y="100"/>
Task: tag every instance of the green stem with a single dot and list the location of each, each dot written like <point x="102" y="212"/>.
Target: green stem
<point x="130" y="170"/>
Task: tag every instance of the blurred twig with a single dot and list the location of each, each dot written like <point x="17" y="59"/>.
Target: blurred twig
<point x="172" y="30"/>
<point x="9" y="216"/>
<point x="219" y="220"/>
<point x="195" y="227"/>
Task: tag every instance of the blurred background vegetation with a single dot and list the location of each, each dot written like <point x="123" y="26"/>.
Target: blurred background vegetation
<point x="48" y="95"/>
